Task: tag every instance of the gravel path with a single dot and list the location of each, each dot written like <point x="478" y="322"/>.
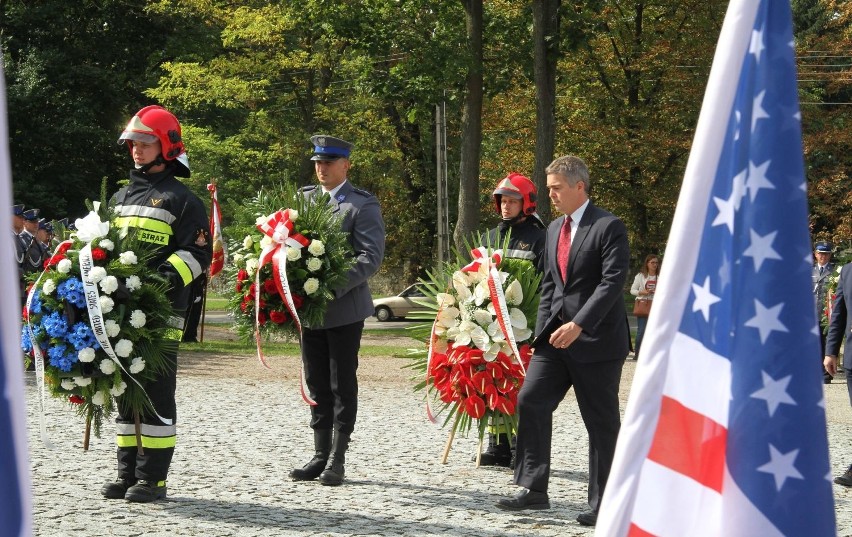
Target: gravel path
<point x="242" y="428"/>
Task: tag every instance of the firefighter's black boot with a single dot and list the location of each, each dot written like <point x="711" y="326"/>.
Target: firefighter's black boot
<point x="333" y="473"/>
<point x="146" y="491"/>
<point x="498" y="452"/>
<point x="116" y="490"/>
<point x="322" y="447"/>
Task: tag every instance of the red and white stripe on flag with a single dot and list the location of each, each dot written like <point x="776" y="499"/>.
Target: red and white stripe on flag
<point x="218" y="261"/>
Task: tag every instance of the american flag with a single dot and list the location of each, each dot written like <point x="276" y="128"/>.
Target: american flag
<point x="724" y="432"/>
<point x="15" y="501"/>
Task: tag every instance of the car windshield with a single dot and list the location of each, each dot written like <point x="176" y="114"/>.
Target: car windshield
<point x="413" y="290"/>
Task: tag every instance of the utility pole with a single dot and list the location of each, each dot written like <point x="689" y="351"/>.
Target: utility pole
<point x="443" y="226"/>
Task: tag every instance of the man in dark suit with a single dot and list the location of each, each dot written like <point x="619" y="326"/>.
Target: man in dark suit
<point x="330" y="351"/>
<point x="582" y="338"/>
<point x="840" y="326"/>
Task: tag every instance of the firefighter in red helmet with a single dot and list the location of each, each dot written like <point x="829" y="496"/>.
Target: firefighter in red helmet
<point x="515" y="202"/>
<point x="163" y="211"/>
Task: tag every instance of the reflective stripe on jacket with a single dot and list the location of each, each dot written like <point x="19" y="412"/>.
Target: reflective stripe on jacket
<point x="163" y="211"/>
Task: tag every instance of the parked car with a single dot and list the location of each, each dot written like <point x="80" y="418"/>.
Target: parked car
<point x="399" y="306"/>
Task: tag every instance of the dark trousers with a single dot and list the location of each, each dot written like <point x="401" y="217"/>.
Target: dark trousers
<point x="330" y="359"/>
<point x="822" y="335"/>
<point x="849" y="383"/>
<point x="157" y="438"/>
<point x="549" y="377"/>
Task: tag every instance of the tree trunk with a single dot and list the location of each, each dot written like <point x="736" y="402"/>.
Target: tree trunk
<point x="546" y="46"/>
<point x="471" y="135"/>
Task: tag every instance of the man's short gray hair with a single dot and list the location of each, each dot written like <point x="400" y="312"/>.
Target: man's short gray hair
<point x="572" y="168"/>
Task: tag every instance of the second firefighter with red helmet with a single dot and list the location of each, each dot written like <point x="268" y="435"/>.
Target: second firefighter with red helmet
<point x="515" y="202"/>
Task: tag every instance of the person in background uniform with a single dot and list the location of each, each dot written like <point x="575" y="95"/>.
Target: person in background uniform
<point x="20" y="247"/>
<point x="161" y="210"/>
<point x="581" y="339"/>
<point x="330" y="351"/>
<point x="515" y="202"/>
<point x="822" y="269"/>
<point x="17" y="218"/>
<point x="44" y="236"/>
<point x="33" y="257"/>
<point x="840" y="327"/>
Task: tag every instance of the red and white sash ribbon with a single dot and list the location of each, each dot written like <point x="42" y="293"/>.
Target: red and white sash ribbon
<point x="429" y="354"/>
<point x="480" y="256"/>
<point x="495" y="290"/>
<point x="501" y="310"/>
<point x="280" y="228"/>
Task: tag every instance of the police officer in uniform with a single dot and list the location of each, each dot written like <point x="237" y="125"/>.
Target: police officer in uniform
<point x="17" y="228"/>
<point x="44" y="236"/>
<point x="33" y="260"/>
<point x="515" y="202"/>
<point x="162" y="211"/>
<point x="822" y="268"/>
<point x="330" y="351"/>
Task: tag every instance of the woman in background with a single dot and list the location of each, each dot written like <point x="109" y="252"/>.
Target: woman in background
<point x="643" y="289"/>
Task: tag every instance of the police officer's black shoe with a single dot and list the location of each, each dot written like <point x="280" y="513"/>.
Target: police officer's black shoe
<point x="117" y="489"/>
<point x="322" y="448"/>
<point x="146" y="491"/>
<point x="310" y="471"/>
<point x="498" y="452"/>
<point x="334" y="471"/>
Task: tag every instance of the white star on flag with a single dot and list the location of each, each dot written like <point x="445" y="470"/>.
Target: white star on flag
<point x="756" y="46"/>
<point x="774" y="392"/>
<point x="766" y="320"/>
<point x="704" y="298"/>
<point x="781" y="466"/>
<point x="761" y="248"/>
<point x="757" y="110"/>
<point x="757" y="179"/>
<point x="727" y="208"/>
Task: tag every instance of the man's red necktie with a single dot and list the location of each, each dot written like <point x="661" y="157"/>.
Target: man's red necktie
<point x="563" y="248"/>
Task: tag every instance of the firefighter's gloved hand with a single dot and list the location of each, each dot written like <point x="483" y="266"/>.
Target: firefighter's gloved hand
<point x="171" y="275"/>
<point x="122" y="293"/>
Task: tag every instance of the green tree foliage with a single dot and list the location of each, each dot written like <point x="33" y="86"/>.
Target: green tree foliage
<point x="371" y="75"/>
<point x="75" y="74"/>
<point x="824" y="48"/>
<point x="631" y="83"/>
<point x="251" y="81"/>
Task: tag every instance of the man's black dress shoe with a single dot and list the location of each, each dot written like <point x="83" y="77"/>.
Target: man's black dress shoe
<point x="525" y="499"/>
<point x="587" y="518"/>
<point x="845" y="479"/>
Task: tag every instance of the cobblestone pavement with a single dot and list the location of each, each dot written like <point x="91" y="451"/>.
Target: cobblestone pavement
<point x="242" y="428"/>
